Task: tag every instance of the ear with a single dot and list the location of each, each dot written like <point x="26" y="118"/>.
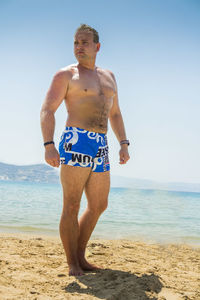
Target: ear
<point x="98" y="46"/>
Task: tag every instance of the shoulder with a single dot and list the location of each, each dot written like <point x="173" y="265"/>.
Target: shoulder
<point x="107" y="72"/>
<point x="65" y="73"/>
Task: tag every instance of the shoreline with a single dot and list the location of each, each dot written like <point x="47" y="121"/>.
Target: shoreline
<point x="34" y="267"/>
<point x="142" y="239"/>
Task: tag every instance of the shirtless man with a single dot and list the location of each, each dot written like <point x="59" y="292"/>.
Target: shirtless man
<point x="90" y="95"/>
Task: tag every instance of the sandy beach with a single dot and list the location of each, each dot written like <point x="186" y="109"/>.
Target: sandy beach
<point x="34" y="267"/>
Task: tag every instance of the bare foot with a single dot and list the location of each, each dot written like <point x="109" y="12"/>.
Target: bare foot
<point x="86" y="266"/>
<point x="75" y="270"/>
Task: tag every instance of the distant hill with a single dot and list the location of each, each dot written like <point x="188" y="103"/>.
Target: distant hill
<point x="30" y="173"/>
<point x="46" y="174"/>
<point x="119" y="181"/>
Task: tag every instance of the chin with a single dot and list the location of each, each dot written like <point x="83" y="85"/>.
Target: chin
<point x="79" y="59"/>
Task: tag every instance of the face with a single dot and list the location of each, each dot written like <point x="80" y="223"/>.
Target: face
<point x="84" y="46"/>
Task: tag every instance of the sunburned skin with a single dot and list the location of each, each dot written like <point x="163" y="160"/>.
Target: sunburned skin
<point x="89" y="98"/>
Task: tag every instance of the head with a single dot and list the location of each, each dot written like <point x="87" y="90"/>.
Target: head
<point x="86" y="43"/>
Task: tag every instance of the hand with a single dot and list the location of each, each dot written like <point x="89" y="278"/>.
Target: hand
<point x="52" y="156"/>
<point x="123" y="154"/>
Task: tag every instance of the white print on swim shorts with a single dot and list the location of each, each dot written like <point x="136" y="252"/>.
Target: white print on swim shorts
<point x="97" y="162"/>
<point x="95" y="136"/>
<point x="72" y="135"/>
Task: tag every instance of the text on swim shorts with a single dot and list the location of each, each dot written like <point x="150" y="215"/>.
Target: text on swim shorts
<point x="67" y="146"/>
<point x="81" y="158"/>
<point x="102" y="151"/>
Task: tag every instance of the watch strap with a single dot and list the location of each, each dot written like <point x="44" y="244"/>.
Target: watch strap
<point x="125" y="142"/>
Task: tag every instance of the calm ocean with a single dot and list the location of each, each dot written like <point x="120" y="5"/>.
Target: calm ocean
<point x="148" y="215"/>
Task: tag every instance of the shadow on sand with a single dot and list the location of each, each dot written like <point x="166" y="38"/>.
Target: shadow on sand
<point x="116" y="285"/>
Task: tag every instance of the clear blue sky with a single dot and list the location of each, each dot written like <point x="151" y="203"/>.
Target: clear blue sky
<point x="153" y="47"/>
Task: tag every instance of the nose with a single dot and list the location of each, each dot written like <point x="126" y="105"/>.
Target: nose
<point x="79" y="48"/>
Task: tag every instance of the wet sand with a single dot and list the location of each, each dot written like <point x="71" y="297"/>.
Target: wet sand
<point x="34" y="267"/>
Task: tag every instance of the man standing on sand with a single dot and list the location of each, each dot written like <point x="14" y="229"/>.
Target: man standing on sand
<point x="90" y="95"/>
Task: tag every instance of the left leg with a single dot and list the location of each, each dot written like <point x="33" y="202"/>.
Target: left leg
<point x="96" y="190"/>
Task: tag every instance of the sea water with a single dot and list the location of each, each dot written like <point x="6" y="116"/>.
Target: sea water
<point x="148" y="215"/>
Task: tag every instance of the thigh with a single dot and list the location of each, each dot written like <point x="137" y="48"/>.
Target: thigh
<point x="97" y="189"/>
<point x="73" y="180"/>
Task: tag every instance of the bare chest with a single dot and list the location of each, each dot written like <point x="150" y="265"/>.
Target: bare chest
<point x="91" y="85"/>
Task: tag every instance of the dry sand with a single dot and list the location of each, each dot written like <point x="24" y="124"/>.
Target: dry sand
<point x="35" y="268"/>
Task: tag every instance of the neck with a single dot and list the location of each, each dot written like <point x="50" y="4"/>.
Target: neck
<point x="88" y="65"/>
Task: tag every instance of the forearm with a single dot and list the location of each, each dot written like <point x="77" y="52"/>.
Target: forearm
<point x="47" y="120"/>
<point x="117" y="125"/>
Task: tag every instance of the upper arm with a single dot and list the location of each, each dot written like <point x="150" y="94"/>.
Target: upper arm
<point x="57" y="90"/>
<point x="115" y="109"/>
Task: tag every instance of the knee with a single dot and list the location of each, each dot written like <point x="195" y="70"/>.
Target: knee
<point x="70" y="208"/>
<point x="99" y="208"/>
<point x="104" y="206"/>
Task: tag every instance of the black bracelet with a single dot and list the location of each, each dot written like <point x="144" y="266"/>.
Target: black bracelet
<point x="48" y="143"/>
<point x="125" y="142"/>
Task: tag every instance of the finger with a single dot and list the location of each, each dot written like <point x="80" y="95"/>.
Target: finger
<point x="51" y="162"/>
<point x="125" y="160"/>
<point x="121" y="161"/>
<point x="57" y="164"/>
<point x="57" y="161"/>
<point x="123" y="156"/>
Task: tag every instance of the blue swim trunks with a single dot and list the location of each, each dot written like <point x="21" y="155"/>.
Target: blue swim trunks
<point x="82" y="148"/>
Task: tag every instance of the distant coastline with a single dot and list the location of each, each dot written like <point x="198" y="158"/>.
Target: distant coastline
<point x="28" y="173"/>
<point x="42" y="173"/>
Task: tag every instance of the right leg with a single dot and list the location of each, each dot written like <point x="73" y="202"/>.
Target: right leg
<point x="73" y="180"/>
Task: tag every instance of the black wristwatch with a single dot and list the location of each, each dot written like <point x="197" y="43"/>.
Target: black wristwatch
<point x="125" y="142"/>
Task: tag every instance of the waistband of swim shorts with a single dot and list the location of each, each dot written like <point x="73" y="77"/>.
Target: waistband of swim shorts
<point x="67" y="128"/>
